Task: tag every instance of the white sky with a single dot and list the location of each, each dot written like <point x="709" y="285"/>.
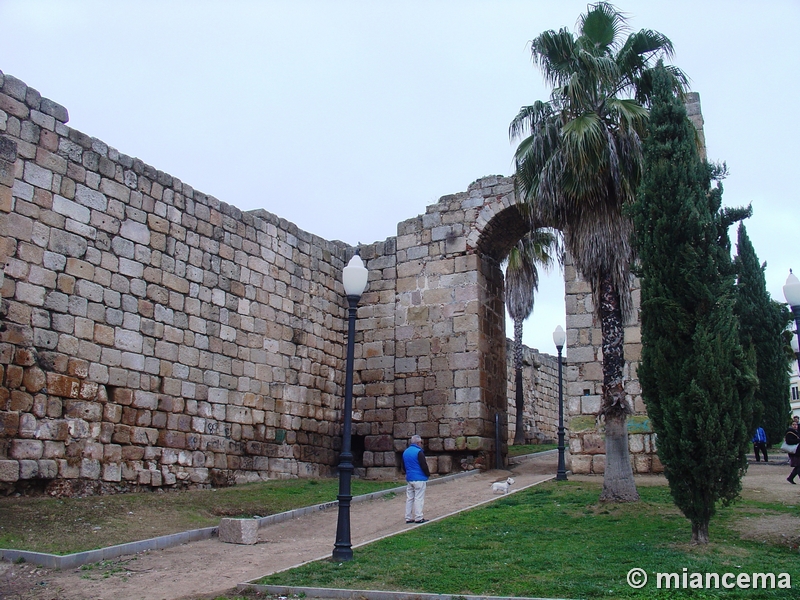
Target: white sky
<point x="348" y="117"/>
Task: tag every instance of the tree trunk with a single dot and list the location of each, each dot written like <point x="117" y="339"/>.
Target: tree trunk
<point x="618" y="484"/>
<point x="519" y="432"/>
<point x="700" y="533"/>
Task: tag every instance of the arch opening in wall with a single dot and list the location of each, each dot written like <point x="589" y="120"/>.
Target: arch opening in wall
<point x="499" y="235"/>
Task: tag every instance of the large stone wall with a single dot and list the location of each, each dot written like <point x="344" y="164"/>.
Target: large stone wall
<point x="155" y="336"/>
<point x="151" y="333"/>
<point x="540" y="386"/>
<point x="442" y="373"/>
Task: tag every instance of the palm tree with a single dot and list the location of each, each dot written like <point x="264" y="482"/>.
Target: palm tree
<point x="578" y="164"/>
<point x="537" y="247"/>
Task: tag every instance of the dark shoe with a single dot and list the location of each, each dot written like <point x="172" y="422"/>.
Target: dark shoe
<point x="421" y="521"/>
<point x="790" y="480"/>
<point x="409" y="522"/>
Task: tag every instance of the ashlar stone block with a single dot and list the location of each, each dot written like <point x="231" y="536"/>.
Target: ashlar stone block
<point x="9" y="470"/>
<point x="238" y="531"/>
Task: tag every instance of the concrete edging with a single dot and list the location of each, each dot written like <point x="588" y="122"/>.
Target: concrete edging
<point x="69" y="561"/>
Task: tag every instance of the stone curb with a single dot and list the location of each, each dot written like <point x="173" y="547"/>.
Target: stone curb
<point x="310" y="592"/>
<point x="70" y="561"/>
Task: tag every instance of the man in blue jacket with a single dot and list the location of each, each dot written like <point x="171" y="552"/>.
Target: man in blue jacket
<point x="417" y="473"/>
<point x="760" y="444"/>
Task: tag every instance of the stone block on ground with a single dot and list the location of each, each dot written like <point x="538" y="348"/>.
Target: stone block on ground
<point x="238" y="531"/>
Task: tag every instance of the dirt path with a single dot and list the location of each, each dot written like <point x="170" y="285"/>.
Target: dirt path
<point x="211" y="568"/>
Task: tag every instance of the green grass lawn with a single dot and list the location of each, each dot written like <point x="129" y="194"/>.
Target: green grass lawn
<point x="64" y="526"/>
<point x="556" y="541"/>
<point x="530" y="449"/>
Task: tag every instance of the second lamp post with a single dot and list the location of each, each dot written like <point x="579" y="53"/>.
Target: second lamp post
<point x="560" y="338"/>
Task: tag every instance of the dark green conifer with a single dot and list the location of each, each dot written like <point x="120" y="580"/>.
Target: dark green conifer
<point x="697" y="380"/>
<point x="762" y="322"/>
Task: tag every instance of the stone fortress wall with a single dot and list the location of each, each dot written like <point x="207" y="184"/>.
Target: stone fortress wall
<point x="155" y="336"/>
<point x="540" y="389"/>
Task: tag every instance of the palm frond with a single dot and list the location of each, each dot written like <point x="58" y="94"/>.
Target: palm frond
<point x="528" y="117"/>
<point x="584" y="141"/>
<point x="554" y="53"/>
<point x="643" y="48"/>
<point x="538" y="248"/>
<point x="629" y="114"/>
<point x="588" y="80"/>
<point x="601" y="26"/>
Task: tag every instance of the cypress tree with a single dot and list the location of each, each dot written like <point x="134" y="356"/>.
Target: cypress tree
<point x="762" y="322"/>
<point x="696" y="378"/>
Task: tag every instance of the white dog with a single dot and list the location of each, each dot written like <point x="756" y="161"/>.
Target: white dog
<point x="501" y="487"/>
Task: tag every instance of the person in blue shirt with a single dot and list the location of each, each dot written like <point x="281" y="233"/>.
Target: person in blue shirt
<point x="417" y="473"/>
<point x="760" y="444"/>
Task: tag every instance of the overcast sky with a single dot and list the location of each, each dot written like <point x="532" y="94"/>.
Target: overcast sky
<point x="349" y="117"/>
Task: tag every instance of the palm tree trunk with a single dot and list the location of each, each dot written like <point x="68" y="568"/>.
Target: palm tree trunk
<point x="519" y="432"/>
<point x="618" y="483"/>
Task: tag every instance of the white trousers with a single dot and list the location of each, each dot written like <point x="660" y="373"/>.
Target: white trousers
<point x="415" y="500"/>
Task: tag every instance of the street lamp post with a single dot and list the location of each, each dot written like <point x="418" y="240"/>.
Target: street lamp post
<point x="792" y="293"/>
<point x="354" y="277"/>
<point x="559" y="338"/>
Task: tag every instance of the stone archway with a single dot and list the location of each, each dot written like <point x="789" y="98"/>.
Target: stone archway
<point x="449" y="377"/>
<point x="445" y="374"/>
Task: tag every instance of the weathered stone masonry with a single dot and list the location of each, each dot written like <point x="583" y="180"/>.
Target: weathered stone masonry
<point x="155" y="336"/>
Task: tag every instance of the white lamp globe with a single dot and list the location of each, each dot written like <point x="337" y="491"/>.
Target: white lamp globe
<point x="354" y="277"/>
<point x="792" y="289"/>
<point x="559" y="337"/>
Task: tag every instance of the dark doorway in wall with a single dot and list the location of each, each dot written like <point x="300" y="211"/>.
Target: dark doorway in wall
<point x="357" y="448"/>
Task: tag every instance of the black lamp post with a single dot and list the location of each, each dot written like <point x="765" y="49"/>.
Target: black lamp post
<point x="354" y="277"/>
<point x="559" y="338"/>
<point x="792" y="293"/>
